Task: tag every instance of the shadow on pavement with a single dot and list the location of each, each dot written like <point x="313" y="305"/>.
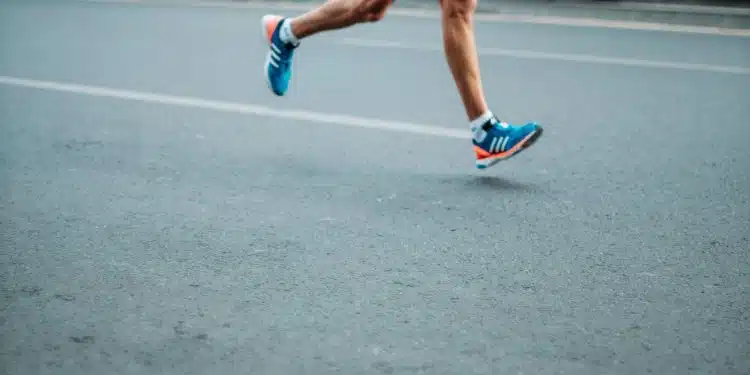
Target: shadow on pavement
<point x="499" y="184"/>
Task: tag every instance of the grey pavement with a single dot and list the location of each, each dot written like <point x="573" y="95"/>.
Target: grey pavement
<point x="143" y="238"/>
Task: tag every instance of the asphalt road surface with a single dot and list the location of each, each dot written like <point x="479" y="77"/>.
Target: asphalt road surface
<point x="165" y="230"/>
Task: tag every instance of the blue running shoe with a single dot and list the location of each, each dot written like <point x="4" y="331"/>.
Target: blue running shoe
<point x="278" y="67"/>
<point x="501" y="141"/>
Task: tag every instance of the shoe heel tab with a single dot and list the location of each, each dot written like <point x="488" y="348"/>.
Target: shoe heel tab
<point x="269" y="24"/>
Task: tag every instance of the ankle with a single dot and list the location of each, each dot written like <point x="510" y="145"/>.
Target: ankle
<point x="480" y="120"/>
<point x="287" y="34"/>
<point x="477" y="125"/>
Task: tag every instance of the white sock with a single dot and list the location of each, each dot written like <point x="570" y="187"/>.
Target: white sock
<point x="286" y="34"/>
<point x="476" y="126"/>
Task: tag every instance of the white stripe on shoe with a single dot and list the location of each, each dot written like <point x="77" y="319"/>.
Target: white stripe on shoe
<point x="492" y="145"/>
<point x="505" y="143"/>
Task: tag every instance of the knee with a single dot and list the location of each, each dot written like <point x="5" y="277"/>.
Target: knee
<point x="370" y="10"/>
<point x="458" y="8"/>
<point x="375" y="16"/>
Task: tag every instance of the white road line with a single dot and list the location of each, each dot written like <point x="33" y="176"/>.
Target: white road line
<point x="525" y="54"/>
<point x="481" y="17"/>
<point x="257" y="110"/>
<point x="614" y="24"/>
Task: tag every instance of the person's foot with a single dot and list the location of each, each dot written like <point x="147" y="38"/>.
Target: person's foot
<point x="497" y="141"/>
<point x="278" y="67"/>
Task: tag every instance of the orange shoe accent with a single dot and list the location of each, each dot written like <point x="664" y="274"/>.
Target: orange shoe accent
<point x="481" y="154"/>
<point x="271" y="23"/>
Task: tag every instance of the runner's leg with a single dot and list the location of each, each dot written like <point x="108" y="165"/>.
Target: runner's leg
<point x="284" y="34"/>
<point x="493" y="140"/>
<point x="338" y="14"/>
<point x="461" y="53"/>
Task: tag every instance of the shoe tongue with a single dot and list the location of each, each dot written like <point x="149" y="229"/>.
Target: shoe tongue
<point x="494" y="121"/>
